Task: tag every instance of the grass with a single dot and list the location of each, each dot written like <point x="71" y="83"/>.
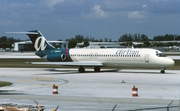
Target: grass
<point x="4" y="83"/>
<point x="22" y="63"/>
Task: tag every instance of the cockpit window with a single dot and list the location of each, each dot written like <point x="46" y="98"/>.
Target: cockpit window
<point x="160" y="54"/>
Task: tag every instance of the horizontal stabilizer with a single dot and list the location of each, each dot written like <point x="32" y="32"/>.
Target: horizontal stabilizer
<point x="22" y="32"/>
<point x="38" y="40"/>
<point x="71" y="63"/>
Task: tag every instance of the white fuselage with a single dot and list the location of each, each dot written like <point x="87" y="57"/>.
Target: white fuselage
<point x="149" y="58"/>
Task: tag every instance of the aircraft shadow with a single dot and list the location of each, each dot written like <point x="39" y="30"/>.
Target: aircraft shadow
<point x="143" y="72"/>
<point x="89" y="71"/>
<point x="67" y="71"/>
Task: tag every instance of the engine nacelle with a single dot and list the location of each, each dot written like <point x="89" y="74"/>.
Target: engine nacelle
<point x="63" y="57"/>
<point x="56" y="57"/>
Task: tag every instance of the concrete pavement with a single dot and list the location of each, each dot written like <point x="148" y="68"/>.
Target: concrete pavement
<point x="98" y="90"/>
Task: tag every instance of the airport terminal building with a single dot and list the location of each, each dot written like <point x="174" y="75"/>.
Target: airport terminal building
<point x="97" y="45"/>
<point x="28" y="46"/>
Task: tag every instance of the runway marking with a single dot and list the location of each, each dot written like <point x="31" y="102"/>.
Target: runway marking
<point x="44" y="78"/>
<point x="36" y="79"/>
<point x="63" y="81"/>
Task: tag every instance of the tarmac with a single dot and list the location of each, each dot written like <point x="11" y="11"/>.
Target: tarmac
<point x="91" y="91"/>
<point x="15" y="55"/>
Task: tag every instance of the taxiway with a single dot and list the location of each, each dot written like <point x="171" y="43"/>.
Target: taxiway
<point x="90" y="91"/>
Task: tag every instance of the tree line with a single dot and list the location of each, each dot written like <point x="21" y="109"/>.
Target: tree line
<point x="167" y="37"/>
<point x="127" y="40"/>
<point x="6" y="42"/>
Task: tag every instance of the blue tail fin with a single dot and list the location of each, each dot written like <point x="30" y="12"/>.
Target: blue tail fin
<point x="38" y="40"/>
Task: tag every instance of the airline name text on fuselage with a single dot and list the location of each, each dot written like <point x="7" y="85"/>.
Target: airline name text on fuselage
<point x="127" y="52"/>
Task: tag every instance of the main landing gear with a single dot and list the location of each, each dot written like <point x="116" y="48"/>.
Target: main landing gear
<point x="97" y="69"/>
<point x="82" y="69"/>
<point x="163" y="70"/>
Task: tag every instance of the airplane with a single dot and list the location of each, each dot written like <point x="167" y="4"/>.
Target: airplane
<point x="97" y="58"/>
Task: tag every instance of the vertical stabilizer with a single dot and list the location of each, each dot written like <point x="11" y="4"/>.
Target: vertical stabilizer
<point x="38" y="40"/>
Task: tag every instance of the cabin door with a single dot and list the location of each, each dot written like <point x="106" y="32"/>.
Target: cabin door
<point x="147" y="58"/>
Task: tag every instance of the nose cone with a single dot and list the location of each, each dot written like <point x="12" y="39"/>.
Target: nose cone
<point x="165" y="62"/>
<point x="170" y="62"/>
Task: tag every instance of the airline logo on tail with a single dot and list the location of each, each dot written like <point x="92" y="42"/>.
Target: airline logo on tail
<point x="38" y="40"/>
<point x="40" y="44"/>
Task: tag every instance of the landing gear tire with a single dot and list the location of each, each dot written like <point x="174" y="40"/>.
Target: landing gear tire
<point x="96" y="69"/>
<point x="81" y="69"/>
<point x="162" y="71"/>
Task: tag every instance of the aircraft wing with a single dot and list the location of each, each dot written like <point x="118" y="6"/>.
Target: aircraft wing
<point x="71" y="63"/>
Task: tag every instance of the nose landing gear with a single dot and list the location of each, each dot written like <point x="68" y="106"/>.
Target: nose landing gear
<point x="162" y="70"/>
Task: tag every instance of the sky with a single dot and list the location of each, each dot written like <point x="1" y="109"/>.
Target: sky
<point x="63" y="19"/>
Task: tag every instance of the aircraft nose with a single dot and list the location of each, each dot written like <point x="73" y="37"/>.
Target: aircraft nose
<point x="171" y="62"/>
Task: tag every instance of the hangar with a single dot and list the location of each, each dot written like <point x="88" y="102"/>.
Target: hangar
<point x="28" y="46"/>
<point x="97" y="45"/>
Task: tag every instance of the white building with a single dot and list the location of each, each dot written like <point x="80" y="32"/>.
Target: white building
<point x="28" y="46"/>
<point x="96" y="45"/>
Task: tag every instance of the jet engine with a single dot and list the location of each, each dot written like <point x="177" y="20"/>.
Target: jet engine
<point x="56" y="57"/>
